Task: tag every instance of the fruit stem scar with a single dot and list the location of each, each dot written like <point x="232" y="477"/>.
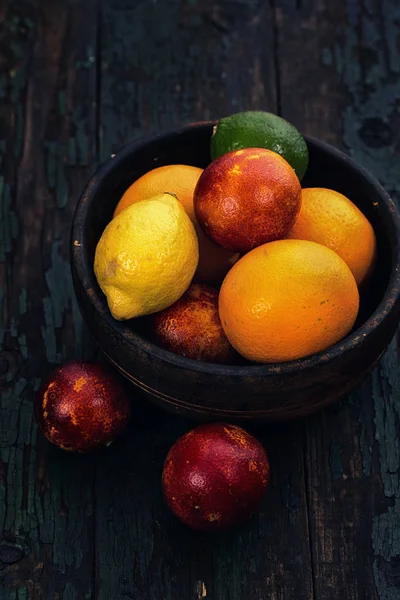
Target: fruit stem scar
<point x="171" y="194"/>
<point x="213" y="517"/>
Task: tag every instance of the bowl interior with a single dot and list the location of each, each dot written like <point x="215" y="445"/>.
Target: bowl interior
<point x="327" y="168"/>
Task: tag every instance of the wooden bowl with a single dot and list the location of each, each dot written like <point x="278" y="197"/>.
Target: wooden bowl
<point x="237" y="393"/>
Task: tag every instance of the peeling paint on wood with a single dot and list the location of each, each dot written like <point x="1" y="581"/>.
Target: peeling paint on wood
<point x="42" y="512"/>
<point x="158" y="72"/>
<point x="351" y="97"/>
<point x="77" y="75"/>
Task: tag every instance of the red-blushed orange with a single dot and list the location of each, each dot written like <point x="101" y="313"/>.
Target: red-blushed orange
<point x="246" y="198"/>
<point x="191" y="327"/>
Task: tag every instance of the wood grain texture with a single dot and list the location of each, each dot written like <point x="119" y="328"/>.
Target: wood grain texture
<point x="350" y="95"/>
<point x="165" y="64"/>
<point x="47" y="122"/>
<point x="78" y="79"/>
<point x="144" y="552"/>
<point x="162" y="65"/>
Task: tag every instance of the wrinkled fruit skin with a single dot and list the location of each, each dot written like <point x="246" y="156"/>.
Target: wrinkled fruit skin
<point x="215" y="476"/>
<point x="246" y="198"/>
<point x="192" y="328"/>
<point x="81" y="407"/>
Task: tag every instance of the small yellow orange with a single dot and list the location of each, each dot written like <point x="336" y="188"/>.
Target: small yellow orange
<point x="329" y="218"/>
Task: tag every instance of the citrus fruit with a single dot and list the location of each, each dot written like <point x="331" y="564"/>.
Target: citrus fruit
<point x="259" y="129"/>
<point x="246" y="198"/>
<point x="286" y="300"/>
<point x="331" y="219"/>
<point x="181" y="180"/>
<point x="146" y="257"/>
<point x="215" y="476"/>
<point x="175" y="179"/>
<point x="81" y="406"/>
<point x="191" y="327"/>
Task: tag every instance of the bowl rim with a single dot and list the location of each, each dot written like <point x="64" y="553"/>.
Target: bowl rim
<point x="86" y="276"/>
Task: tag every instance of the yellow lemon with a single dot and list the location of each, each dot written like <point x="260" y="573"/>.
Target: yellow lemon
<point x="146" y="257"/>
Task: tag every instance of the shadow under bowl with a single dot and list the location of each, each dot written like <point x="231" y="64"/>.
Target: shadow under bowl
<point x="250" y="392"/>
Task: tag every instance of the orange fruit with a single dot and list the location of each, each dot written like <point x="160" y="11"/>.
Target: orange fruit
<point x="181" y="180"/>
<point x="175" y="179"/>
<point x="331" y="219"/>
<point x="246" y="198"/>
<point x="191" y="327"/>
<point x="286" y="300"/>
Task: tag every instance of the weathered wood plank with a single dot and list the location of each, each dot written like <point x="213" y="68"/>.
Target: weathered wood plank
<point x="157" y="72"/>
<point x="347" y="79"/>
<point x="165" y="64"/>
<point x="144" y="552"/>
<point x="47" y="143"/>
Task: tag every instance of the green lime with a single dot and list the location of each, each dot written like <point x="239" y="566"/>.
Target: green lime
<point x="259" y="129"/>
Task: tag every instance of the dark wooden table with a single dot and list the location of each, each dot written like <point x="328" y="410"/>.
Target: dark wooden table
<point x="78" y="79"/>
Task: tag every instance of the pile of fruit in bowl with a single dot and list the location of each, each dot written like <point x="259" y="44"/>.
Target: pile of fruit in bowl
<point x="247" y="276"/>
<point x="237" y="270"/>
<point x="238" y="261"/>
